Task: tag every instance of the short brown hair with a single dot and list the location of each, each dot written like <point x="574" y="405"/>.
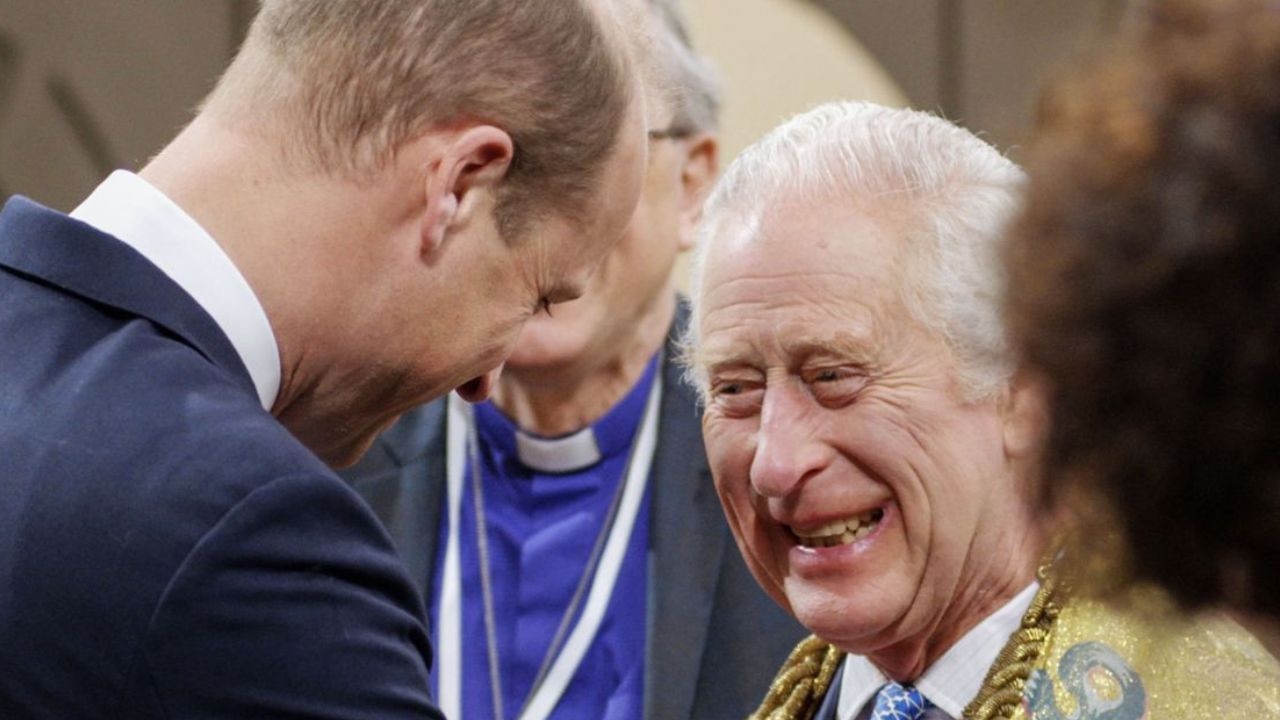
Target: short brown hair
<point x="1144" y="283"/>
<point x="360" y="77"/>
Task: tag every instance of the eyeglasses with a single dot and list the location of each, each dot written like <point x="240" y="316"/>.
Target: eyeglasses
<point x="673" y="132"/>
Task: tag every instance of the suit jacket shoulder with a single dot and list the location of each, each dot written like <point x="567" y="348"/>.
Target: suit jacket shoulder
<point x="168" y="548"/>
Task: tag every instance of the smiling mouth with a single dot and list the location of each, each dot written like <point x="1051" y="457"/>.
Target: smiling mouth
<point x="840" y="532"/>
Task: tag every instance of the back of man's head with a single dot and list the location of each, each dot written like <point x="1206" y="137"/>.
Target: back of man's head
<point x="341" y="84"/>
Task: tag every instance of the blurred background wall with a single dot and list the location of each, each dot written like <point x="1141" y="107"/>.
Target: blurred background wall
<point x="87" y="86"/>
<point x="90" y="85"/>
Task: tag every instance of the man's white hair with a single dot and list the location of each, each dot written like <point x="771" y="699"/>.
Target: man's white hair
<point x="955" y="191"/>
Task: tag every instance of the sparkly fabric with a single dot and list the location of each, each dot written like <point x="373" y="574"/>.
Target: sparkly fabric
<point x="895" y="702"/>
<point x="1136" y="659"/>
<point x="1141" y="659"/>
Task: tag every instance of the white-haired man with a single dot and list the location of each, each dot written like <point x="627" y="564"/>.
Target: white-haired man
<point x="875" y="454"/>
<point x="590" y="443"/>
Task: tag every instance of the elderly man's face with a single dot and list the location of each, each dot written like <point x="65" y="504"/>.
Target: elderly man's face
<point x="866" y="495"/>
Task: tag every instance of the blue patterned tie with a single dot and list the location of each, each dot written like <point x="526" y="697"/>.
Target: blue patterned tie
<point x="895" y="702"/>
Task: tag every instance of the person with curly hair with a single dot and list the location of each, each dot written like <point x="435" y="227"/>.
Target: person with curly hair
<point x="1144" y="289"/>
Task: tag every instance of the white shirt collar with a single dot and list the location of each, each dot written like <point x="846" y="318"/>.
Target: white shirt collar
<point x="132" y="210"/>
<point x="954" y="680"/>
<point x="561" y="454"/>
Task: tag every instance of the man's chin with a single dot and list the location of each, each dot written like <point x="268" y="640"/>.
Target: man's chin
<point x="534" y="361"/>
<point x="351" y="447"/>
<point x="550" y="343"/>
<point x="475" y="390"/>
<point x="334" y="440"/>
<point x="837" y="623"/>
<point x="349" y="453"/>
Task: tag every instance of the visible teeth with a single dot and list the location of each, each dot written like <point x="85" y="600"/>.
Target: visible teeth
<point x="841" y="532"/>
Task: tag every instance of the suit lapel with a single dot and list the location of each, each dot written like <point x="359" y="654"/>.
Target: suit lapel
<point x="403" y="479"/>
<point x="830" y="706"/>
<point x="687" y="542"/>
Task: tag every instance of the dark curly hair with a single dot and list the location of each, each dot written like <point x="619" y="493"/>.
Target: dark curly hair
<point x="1144" y="286"/>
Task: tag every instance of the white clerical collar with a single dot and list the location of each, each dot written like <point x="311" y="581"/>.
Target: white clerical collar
<point x="954" y="680"/>
<point x="558" y="455"/>
<point x="135" y="212"/>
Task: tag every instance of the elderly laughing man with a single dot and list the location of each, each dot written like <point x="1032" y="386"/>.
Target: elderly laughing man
<point x="874" y="449"/>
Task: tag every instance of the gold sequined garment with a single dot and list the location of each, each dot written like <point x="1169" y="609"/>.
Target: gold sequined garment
<point x="1074" y="658"/>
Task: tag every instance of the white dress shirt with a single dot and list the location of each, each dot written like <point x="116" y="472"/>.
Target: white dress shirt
<point x="132" y="210"/>
<point x="954" y="680"/>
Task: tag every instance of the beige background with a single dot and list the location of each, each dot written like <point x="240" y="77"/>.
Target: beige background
<point x="90" y="85"/>
<point x="781" y="58"/>
<point x="777" y="59"/>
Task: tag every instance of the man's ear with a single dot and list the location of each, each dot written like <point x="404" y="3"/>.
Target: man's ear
<point x="1024" y="415"/>
<point x="462" y="179"/>
<point x="697" y="177"/>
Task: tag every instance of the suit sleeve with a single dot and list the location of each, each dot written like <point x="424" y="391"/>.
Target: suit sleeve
<point x="293" y="605"/>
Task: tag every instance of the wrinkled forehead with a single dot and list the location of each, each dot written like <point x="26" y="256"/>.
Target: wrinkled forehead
<point x="807" y="274"/>
<point x="798" y="239"/>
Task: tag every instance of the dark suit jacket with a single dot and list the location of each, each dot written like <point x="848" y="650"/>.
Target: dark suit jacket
<point x="715" y="640"/>
<point x="167" y="549"/>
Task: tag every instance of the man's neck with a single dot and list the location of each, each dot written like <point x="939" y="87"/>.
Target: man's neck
<point x="561" y="400"/>
<point x="272" y="221"/>
<point x="972" y="603"/>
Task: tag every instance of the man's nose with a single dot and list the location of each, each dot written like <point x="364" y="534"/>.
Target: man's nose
<point x="788" y="446"/>
<point x="480" y="388"/>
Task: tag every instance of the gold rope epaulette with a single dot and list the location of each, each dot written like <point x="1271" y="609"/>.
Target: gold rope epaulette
<point x="804" y="678"/>
<point x="1001" y="692"/>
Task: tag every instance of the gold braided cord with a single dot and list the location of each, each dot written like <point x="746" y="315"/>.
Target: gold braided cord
<point x="1001" y="692"/>
<point x="1181" y="667"/>
<point x="797" y="691"/>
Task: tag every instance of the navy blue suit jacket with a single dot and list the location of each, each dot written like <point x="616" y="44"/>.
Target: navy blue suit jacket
<point x="715" y="640"/>
<point x="167" y="549"/>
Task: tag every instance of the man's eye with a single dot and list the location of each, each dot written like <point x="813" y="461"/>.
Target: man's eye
<point x="737" y="397"/>
<point x="838" y="373"/>
<point x="544" y="305"/>
<point x="835" y="385"/>
<point x="729" y="389"/>
<point x="731" y="386"/>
